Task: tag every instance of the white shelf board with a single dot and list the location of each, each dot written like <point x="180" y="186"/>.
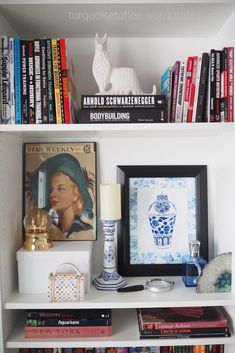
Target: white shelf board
<point x="119" y="130"/>
<point x="179" y="296"/>
<point x="125" y="19"/>
<point x="125" y="334"/>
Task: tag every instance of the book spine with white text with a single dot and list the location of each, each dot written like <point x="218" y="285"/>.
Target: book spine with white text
<point x="63" y="314"/>
<point x="180" y="93"/>
<point x="12" y="80"/>
<point x="45" y="118"/>
<point x="50" y="84"/>
<point x="5" y="83"/>
<point x="24" y="81"/>
<point x="69" y="322"/>
<point x="31" y="83"/>
<point x="141" y="115"/>
<point x="38" y="81"/>
<point x="224" y="86"/>
<point x="231" y="83"/>
<point x="123" y="102"/>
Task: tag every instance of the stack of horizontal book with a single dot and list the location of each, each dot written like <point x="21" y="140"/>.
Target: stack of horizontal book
<point x="68" y="323"/>
<point x="182" y="322"/>
<point x="123" y="109"/>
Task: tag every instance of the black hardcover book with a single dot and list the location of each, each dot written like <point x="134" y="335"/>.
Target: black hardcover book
<point x="212" y="86"/>
<point x="45" y="119"/>
<point x="61" y="84"/>
<point x="31" y="99"/>
<point x="69" y="314"/>
<point x="203" y="82"/>
<point x="24" y="81"/>
<point x="38" y="81"/>
<point x="123" y="101"/>
<point x="69" y="322"/>
<point x="185" y="331"/>
<point x="190" y="335"/>
<point x="217" y="84"/>
<point x="141" y="115"/>
<point x="50" y="84"/>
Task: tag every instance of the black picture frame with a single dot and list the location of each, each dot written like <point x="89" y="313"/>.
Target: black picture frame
<point x="196" y="178"/>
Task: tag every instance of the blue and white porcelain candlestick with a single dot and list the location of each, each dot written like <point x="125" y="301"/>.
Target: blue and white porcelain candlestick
<point x="110" y="206"/>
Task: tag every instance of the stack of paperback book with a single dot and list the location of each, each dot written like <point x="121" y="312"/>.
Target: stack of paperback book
<point x="123" y="109"/>
<point x="201" y="88"/>
<point x="35" y="84"/>
<point x="182" y="322"/>
<point x="68" y="323"/>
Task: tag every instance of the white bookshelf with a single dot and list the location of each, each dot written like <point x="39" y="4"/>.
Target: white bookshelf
<point x="177" y="28"/>
<point x="115" y="300"/>
<point x="125" y="334"/>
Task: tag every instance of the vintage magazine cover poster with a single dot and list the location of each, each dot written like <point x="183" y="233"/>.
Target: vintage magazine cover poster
<point x="61" y="179"/>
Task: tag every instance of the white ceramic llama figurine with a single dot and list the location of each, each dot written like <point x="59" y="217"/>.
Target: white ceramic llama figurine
<point x="113" y="80"/>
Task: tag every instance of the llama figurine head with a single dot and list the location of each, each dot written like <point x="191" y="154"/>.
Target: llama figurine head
<point x="113" y="80"/>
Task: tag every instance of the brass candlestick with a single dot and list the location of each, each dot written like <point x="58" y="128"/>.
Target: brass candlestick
<point x="37" y="225"/>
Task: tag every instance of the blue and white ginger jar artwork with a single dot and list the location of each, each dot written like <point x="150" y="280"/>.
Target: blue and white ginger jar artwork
<point x="162" y="217"/>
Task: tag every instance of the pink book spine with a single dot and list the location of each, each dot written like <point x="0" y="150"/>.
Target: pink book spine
<point x="192" y="89"/>
<point x="66" y="332"/>
<point x="230" y="83"/>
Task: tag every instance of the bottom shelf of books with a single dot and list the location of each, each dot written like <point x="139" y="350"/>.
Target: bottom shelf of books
<point x="124" y="331"/>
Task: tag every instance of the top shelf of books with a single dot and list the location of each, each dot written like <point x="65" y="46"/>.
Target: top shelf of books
<point x="133" y="18"/>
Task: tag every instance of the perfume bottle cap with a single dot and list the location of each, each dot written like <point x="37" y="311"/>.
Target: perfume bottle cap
<point x="194" y="248"/>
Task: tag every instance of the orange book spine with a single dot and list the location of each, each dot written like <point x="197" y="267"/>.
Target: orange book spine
<point x="65" y="85"/>
<point x="67" y="331"/>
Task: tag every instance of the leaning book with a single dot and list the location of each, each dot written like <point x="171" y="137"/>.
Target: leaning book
<point x="61" y="179"/>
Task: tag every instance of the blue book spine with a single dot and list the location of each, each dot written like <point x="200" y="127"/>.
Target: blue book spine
<point x="17" y="69"/>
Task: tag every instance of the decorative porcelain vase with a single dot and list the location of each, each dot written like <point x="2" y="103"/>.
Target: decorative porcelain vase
<point x="162" y="217"/>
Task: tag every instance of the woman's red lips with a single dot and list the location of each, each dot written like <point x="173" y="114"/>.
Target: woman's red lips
<point x="54" y="202"/>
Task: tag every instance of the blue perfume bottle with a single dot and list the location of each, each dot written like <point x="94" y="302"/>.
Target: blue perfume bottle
<point x="192" y="264"/>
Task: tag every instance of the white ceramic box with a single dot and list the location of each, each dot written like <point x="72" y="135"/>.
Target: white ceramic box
<point x="34" y="267"/>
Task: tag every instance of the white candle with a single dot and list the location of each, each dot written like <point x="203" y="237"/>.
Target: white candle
<point x="110" y="201"/>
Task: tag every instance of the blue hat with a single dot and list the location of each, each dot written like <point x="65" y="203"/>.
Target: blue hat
<point x="68" y="165"/>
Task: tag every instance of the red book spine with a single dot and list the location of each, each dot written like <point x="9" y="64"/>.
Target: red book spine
<point x="230" y="83"/>
<point x="64" y="75"/>
<point x="192" y="89"/>
<point x="67" y="332"/>
<point x="189" y="71"/>
<point x="184" y="325"/>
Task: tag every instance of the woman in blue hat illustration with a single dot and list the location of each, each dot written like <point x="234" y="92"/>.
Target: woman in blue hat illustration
<point x="60" y="186"/>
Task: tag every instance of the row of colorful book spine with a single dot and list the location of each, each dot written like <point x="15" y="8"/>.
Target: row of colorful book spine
<point x="212" y="348"/>
<point x="201" y="88"/>
<point x="35" y="84"/>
